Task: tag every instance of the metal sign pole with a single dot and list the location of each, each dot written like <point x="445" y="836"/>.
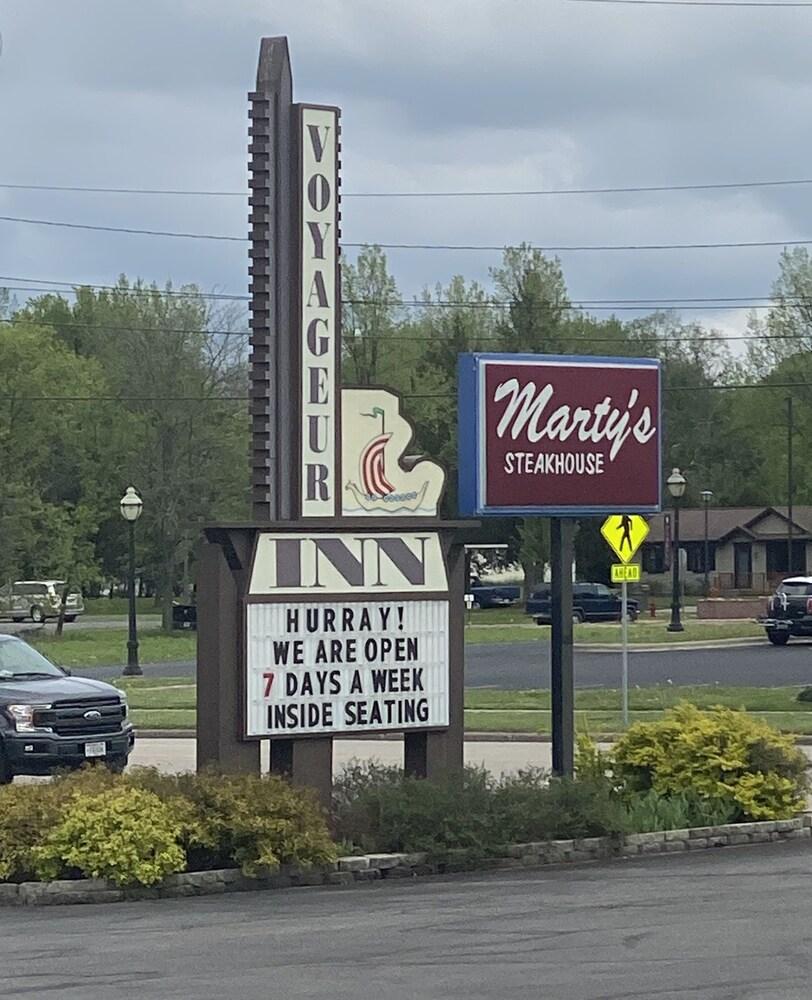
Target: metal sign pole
<point x="624" y="614"/>
<point x="561" y="665"/>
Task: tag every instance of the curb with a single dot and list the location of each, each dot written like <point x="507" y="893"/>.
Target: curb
<point x="362" y="869"/>
<point x="472" y="737"/>
<point x="661" y="647"/>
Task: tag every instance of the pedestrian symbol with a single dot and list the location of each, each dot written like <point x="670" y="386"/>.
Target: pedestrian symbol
<point x="625" y="534"/>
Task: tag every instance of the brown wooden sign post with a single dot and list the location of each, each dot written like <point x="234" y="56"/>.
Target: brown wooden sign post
<point x="339" y="609"/>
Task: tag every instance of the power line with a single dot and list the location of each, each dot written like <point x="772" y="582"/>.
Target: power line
<point x="23" y="320"/>
<point x="406" y="395"/>
<point x="570" y="248"/>
<point x="350" y="338"/>
<point x="597" y="305"/>
<point x="514" y="193"/>
<point x="644" y="306"/>
<point x="563" y="248"/>
<point x="700" y="3"/>
<point x="123" y="229"/>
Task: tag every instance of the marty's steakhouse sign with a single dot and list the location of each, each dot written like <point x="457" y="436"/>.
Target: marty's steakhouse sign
<point x="559" y="436"/>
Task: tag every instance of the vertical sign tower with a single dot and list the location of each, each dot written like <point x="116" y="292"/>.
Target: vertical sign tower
<point x="339" y="609"/>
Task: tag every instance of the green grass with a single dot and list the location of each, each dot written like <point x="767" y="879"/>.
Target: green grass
<point x="169" y="703"/>
<point x="114" y="607"/>
<point x="102" y="647"/>
<point x="598" y="723"/>
<point x="182" y="718"/>
<point x="646" y="699"/>
<point x="640" y="632"/>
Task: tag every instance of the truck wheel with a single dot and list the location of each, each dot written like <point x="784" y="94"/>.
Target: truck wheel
<point x="117" y="763"/>
<point x="70" y="618"/>
<point x="36" y="614"/>
<point x="578" y="616"/>
<point x="6" y="774"/>
<point x="777" y="638"/>
<point x="476" y="606"/>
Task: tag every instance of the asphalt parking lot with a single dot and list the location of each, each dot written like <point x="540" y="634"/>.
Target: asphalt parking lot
<point x="729" y="924"/>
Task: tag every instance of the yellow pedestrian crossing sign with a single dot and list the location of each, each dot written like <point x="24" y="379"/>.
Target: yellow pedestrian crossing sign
<point x="625" y="533"/>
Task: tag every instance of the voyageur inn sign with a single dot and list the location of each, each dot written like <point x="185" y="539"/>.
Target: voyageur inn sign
<point x="338" y="609"/>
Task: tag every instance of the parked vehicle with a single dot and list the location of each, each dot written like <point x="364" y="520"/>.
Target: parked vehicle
<point x="493" y="596"/>
<point x="591" y="602"/>
<point x="184" y="616"/>
<point x="50" y="720"/>
<point x="38" y="600"/>
<point x="789" y="610"/>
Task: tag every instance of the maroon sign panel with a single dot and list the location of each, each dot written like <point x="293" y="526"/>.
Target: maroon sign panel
<point x="558" y="435"/>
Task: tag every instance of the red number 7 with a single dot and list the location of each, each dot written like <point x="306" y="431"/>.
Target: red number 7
<point x="268" y="684"/>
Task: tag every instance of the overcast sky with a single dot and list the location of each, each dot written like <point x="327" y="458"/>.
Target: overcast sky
<point x="435" y="95"/>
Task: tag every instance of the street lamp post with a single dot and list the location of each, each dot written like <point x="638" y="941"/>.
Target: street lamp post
<point x="676" y="487"/>
<point x="131" y="507"/>
<point x="707" y="496"/>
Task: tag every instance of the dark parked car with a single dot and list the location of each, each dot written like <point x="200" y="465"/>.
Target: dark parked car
<point x="591" y="602"/>
<point x="789" y="610"/>
<point x="50" y="720"/>
<point x="184" y="616"/>
<point x="493" y="596"/>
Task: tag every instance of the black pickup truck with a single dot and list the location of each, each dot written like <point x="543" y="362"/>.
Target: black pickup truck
<point x="789" y="610"/>
<point x="51" y="720"/>
<point x="492" y="596"/>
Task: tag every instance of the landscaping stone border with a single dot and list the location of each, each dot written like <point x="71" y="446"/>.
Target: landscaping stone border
<point x="365" y="868"/>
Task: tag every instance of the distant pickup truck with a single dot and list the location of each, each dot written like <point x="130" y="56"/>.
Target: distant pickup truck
<point x="493" y="596"/>
<point x="789" y="610"/>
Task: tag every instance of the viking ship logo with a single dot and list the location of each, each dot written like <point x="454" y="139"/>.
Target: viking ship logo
<point x="383" y="486"/>
<point x="373" y="460"/>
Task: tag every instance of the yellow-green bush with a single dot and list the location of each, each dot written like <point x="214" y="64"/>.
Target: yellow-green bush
<point x="27" y="813"/>
<point x="135" y="829"/>
<point x="718" y="754"/>
<point x="254" y="822"/>
<point x="125" y="834"/>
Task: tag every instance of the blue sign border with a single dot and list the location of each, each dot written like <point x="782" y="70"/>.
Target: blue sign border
<point x="471" y="440"/>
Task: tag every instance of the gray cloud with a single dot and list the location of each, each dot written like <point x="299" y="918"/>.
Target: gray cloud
<point x="498" y="94"/>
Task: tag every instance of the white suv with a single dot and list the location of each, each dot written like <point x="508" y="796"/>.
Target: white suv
<point x="38" y="600"/>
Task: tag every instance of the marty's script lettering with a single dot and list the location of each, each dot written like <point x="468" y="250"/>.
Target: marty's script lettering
<point x="531" y="411"/>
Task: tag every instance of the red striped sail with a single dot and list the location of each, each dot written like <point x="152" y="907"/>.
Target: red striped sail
<point x="373" y="470"/>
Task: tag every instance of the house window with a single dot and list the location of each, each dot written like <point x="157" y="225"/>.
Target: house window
<point x="654" y="558"/>
<point x="695" y="556"/>
<point x="777" y="556"/>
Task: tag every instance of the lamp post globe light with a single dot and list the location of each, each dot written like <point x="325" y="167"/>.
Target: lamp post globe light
<point x="707" y="496"/>
<point x="676" y="487"/>
<point x="131" y="506"/>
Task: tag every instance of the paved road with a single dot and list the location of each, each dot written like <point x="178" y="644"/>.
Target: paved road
<point x="82" y="623"/>
<point x="731" y="924"/>
<point x="527" y="665"/>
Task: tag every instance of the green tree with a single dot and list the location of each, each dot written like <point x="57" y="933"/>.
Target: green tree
<point x="180" y="428"/>
<point x="371" y="321"/>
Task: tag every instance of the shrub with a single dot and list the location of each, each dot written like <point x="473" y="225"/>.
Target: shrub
<point x="651" y="811"/>
<point x="716" y="755"/>
<point x="379" y="809"/>
<point x="804" y="695"/>
<point x="27" y="813"/>
<point x="251" y="821"/>
<point x="140" y="827"/>
<point x="126" y="835"/>
<point x="530" y="806"/>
